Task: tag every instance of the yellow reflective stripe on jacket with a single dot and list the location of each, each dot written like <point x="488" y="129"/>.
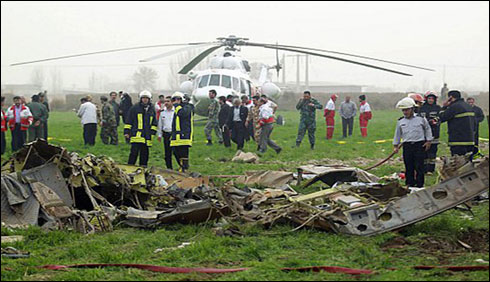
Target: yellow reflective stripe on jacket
<point x="461" y="143"/>
<point x="140" y="121"/>
<point x="128" y="126"/>
<point x="155" y="128"/>
<point x="181" y="142"/>
<point x="177" y="119"/>
<point x="468" y="114"/>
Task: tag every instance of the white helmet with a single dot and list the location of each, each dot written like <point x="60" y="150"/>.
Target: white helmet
<point x="178" y="95"/>
<point x="145" y="94"/>
<point x="406" y="103"/>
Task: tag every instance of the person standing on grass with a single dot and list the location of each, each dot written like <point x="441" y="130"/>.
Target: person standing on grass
<point x="43" y="99"/>
<point x="430" y="111"/>
<point x="4" y="126"/>
<point x="236" y="123"/>
<point x="460" y="124"/>
<point x="88" y="116"/>
<point x="253" y="119"/>
<point x="307" y="107"/>
<point x="165" y="129"/>
<point x="249" y="104"/>
<point x="141" y="126"/>
<point x="365" y="115"/>
<point x="348" y="111"/>
<point x="124" y="107"/>
<point x="329" y="114"/>
<point x="19" y="118"/>
<point x="115" y="106"/>
<point x="182" y="126"/>
<point x="416" y="134"/>
<point x="40" y="116"/>
<point x="213" y="119"/>
<point x="266" y="122"/>
<point x="108" y="123"/>
<point x="479" y="117"/>
<point x="223" y="117"/>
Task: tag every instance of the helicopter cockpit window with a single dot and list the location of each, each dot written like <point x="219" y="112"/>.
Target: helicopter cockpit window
<point x="236" y="84"/>
<point x="243" y="87"/>
<point x="214" y="81"/>
<point x="204" y="81"/>
<point x="226" y="81"/>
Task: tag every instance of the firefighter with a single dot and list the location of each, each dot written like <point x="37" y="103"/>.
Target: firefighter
<point x="4" y="126"/>
<point x="460" y="123"/>
<point x="182" y="126"/>
<point x="365" y="115"/>
<point x="329" y="114"/>
<point x="141" y="126"/>
<point x="416" y="134"/>
<point x="430" y="111"/>
<point x="419" y="101"/>
<point x="19" y="119"/>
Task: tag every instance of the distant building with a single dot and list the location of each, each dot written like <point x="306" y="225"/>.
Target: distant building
<point x="26" y="90"/>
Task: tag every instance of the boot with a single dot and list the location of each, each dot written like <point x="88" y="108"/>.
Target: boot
<point x="210" y="143"/>
<point x="185" y="164"/>
<point x="312" y="146"/>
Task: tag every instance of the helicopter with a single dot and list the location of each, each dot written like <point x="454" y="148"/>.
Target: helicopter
<point x="229" y="73"/>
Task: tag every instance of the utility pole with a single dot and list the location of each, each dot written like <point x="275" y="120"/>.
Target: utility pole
<point x="297" y="73"/>
<point x="283" y="69"/>
<point x="307" y="79"/>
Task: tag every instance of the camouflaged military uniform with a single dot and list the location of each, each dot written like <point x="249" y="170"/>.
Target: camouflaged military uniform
<point x="308" y="120"/>
<point x="253" y="120"/>
<point x="109" y="124"/>
<point x="213" y="123"/>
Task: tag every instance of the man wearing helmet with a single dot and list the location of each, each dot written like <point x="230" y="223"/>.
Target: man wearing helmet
<point x="182" y="126"/>
<point x="329" y="114"/>
<point x="430" y="111"/>
<point x="460" y="124"/>
<point x="419" y="101"/>
<point x="141" y="125"/>
<point x="416" y="134"/>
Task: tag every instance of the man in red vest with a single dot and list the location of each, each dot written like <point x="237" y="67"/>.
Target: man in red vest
<point x="365" y="115"/>
<point x="329" y="114"/>
<point x="19" y="118"/>
<point x="4" y="126"/>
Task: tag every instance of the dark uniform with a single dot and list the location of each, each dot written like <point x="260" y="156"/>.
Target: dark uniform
<point x="479" y="117"/>
<point x="40" y="114"/>
<point x="236" y="123"/>
<point x="141" y="125"/>
<point x="308" y="120"/>
<point x="431" y="113"/>
<point x="460" y="126"/>
<point x="182" y="131"/>
<point x="223" y="118"/>
<point x="115" y="106"/>
<point x="109" y="125"/>
<point x="45" y="125"/>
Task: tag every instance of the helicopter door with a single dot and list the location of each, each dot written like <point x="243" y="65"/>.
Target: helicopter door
<point x="236" y="84"/>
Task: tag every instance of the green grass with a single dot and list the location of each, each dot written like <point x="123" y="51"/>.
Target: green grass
<point x="259" y="250"/>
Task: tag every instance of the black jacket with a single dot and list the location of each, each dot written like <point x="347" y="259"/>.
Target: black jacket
<point x="182" y="126"/>
<point x="224" y="115"/>
<point x="460" y="120"/>
<point x="479" y="117"/>
<point x="141" y="124"/>
<point x="431" y="113"/>
<point x="243" y="115"/>
<point x="125" y="106"/>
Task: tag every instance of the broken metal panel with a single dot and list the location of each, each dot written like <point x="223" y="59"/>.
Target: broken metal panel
<point x="50" y="201"/>
<point x="19" y="206"/>
<point x="273" y="179"/>
<point x="374" y="219"/>
<point x="333" y="174"/>
<point x="51" y="176"/>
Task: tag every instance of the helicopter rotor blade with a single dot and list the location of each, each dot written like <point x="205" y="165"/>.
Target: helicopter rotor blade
<point x="108" y="51"/>
<point x="187" y="68"/>
<point x="346" y="54"/>
<point x="173" y="52"/>
<point x="328" y="57"/>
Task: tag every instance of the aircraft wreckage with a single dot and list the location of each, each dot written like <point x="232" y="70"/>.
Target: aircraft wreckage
<point x="46" y="185"/>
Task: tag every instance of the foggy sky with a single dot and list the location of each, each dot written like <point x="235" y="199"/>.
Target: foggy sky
<point x="430" y="34"/>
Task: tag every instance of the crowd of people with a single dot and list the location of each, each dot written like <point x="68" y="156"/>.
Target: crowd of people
<point x="241" y="119"/>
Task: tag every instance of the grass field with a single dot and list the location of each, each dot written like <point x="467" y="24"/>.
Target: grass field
<point x="432" y="242"/>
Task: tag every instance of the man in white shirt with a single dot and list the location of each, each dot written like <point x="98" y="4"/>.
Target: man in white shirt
<point x="165" y="128"/>
<point x="270" y="104"/>
<point x="88" y="115"/>
<point x="266" y="122"/>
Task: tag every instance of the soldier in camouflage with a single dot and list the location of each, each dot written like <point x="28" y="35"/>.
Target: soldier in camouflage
<point x="213" y="122"/>
<point x="253" y="118"/>
<point x="108" y="123"/>
<point x="307" y="107"/>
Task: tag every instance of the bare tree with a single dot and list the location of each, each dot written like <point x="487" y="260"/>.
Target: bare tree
<point x="145" y="79"/>
<point x="37" y="76"/>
